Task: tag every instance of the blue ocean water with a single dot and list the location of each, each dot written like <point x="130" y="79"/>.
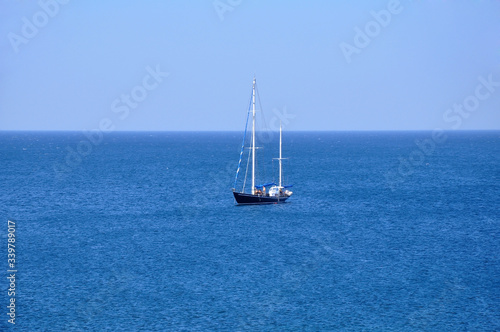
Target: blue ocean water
<point x="139" y="231"/>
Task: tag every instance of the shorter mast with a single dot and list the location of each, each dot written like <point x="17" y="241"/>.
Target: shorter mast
<point x="280" y="157"/>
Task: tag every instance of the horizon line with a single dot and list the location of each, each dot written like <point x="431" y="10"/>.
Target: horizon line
<point x="237" y="131"/>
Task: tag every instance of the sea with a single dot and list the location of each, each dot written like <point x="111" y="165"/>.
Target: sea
<point x="139" y="231"/>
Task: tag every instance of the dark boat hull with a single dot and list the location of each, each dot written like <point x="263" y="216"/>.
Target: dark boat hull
<point x="243" y="198"/>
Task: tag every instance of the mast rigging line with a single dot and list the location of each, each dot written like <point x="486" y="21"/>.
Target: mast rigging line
<point x="263" y="114"/>
<point x="243" y="143"/>
<point x="246" y="172"/>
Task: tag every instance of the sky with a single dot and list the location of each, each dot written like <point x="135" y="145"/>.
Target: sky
<point x="189" y="65"/>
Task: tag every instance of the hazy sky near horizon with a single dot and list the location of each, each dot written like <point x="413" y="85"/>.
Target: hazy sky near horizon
<point x="320" y="65"/>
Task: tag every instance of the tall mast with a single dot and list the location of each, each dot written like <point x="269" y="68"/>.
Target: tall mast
<point x="253" y="137"/>
<point x="280" y="156"/>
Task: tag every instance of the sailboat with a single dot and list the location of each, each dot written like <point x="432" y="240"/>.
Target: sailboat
<point x="268" y="193"/>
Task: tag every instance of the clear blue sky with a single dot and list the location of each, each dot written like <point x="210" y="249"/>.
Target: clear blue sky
<point x="73" y="71"/>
